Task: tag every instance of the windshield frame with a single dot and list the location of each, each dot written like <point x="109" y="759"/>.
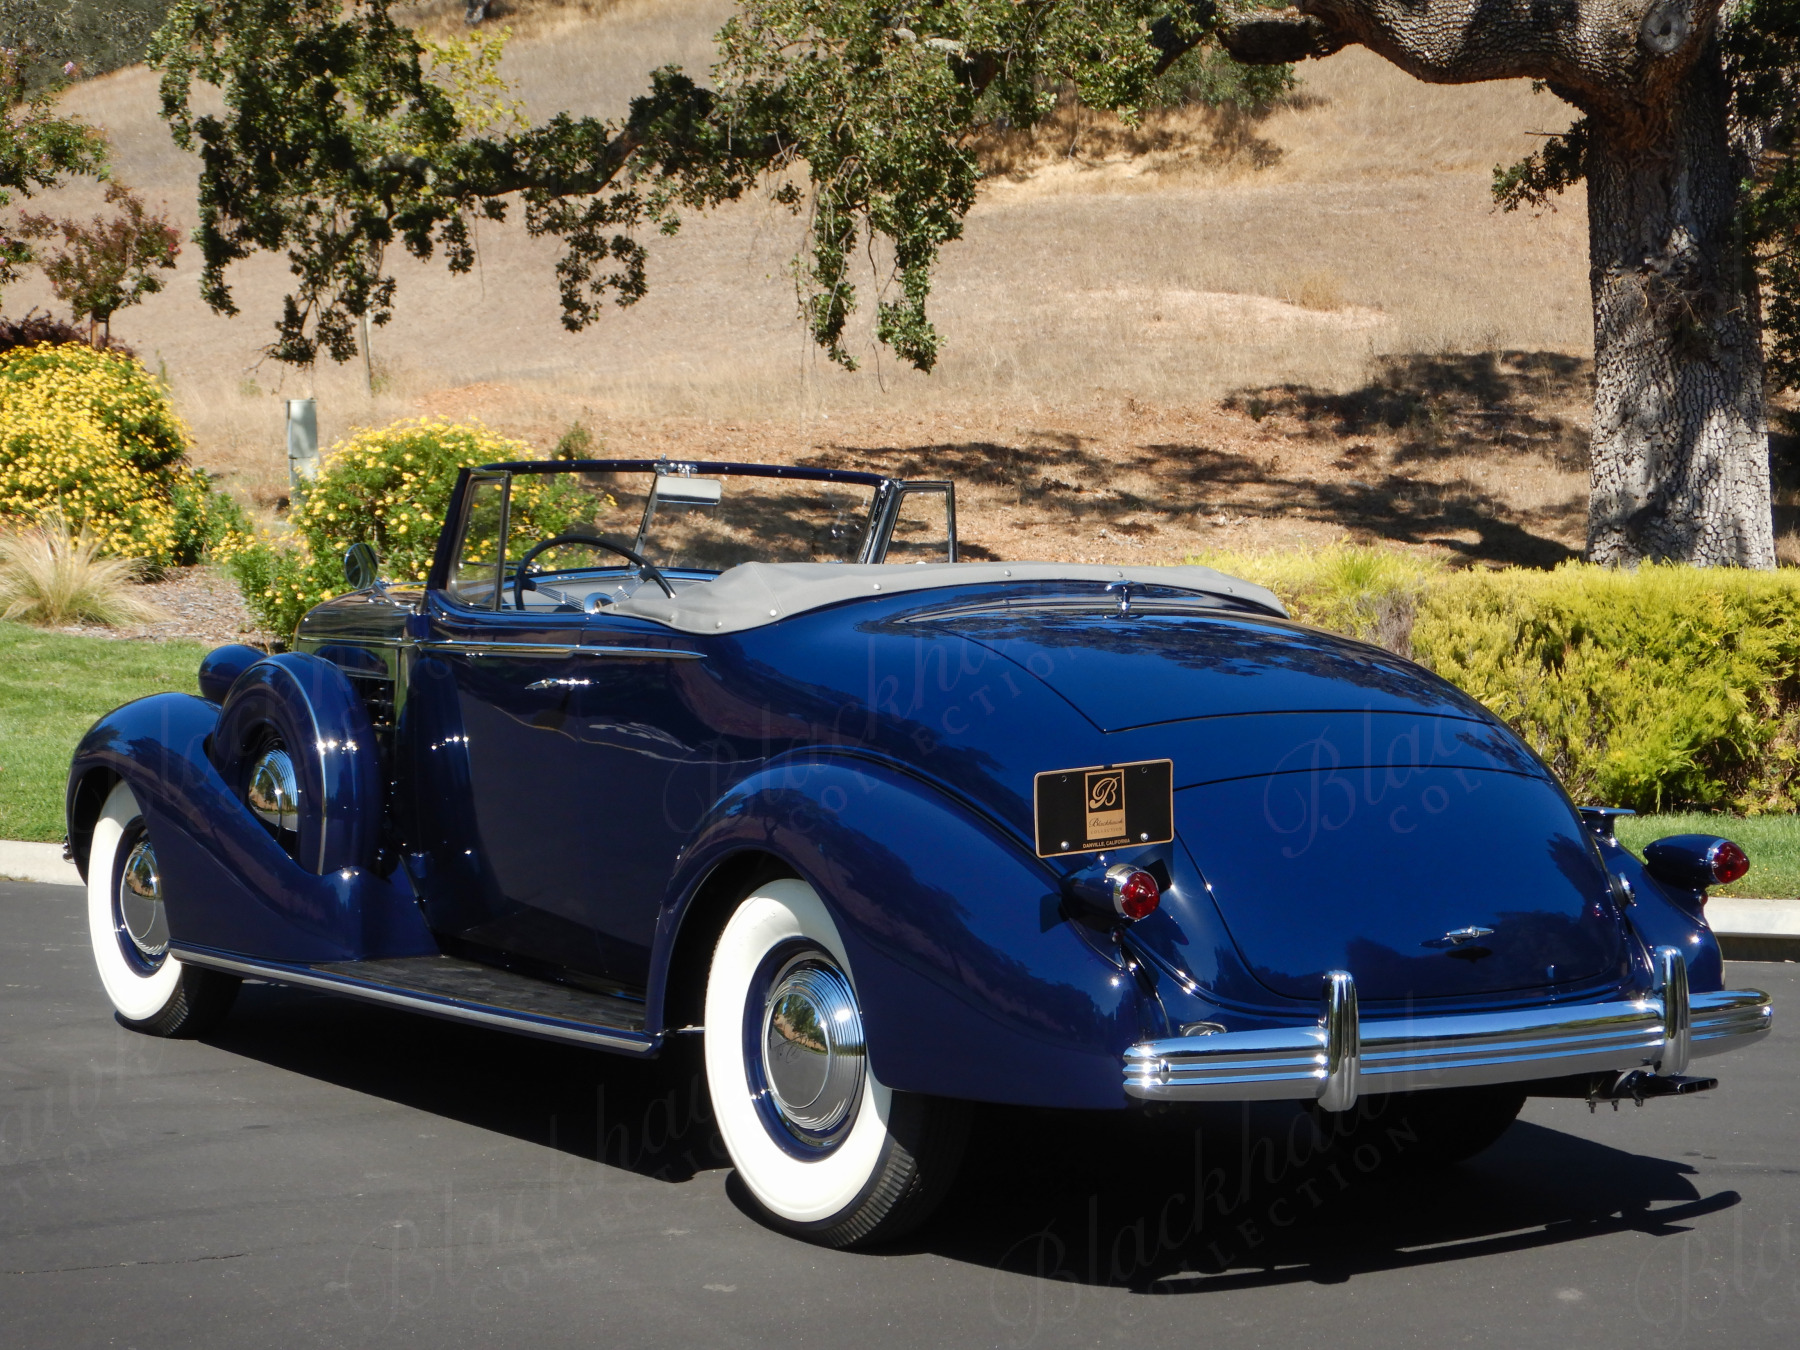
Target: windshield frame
<point x="884" y="506"/>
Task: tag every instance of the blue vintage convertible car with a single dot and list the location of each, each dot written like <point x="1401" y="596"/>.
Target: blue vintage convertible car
<point x="665" y="750"/>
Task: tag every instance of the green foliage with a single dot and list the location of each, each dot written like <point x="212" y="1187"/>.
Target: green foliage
<point x="1547" y="172"/>
<point x="389" y="488"/>
<point x="337" y="139"/>
<point x="1665" y="687"/>
<point x="328" y="118"/>
<point x="38" y="149"/>
<point x="110" y="263"/>
<point x="95" y="36"/>
<point x="1209" y="77"/>
<point x="576" y="443"/>
<point x="90" y="436"/>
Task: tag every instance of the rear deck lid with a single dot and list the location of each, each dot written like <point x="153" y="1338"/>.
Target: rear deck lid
<point x="1432" y="883"/>
<point x="1135" y="670"/>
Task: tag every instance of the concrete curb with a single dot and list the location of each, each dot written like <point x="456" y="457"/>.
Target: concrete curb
<point x="36" y="862"/>
<point x="1756" y="930"/>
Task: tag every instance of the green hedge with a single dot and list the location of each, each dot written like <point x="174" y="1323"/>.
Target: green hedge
<point x="1655" y="689"/>
<point x="1667" y="688"/>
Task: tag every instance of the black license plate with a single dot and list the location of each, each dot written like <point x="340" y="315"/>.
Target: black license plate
<point x="1107" y="806"/>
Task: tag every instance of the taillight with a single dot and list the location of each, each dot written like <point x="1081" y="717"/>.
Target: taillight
<point x="1135" y="893"/>
<point x="1728" y="862"/>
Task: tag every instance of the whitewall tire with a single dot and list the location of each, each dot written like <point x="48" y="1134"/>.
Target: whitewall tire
<point x="150" y="990"/>
<point x="824" y="1148"/>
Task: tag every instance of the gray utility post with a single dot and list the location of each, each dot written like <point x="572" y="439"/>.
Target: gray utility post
<point x="302" y="439"/>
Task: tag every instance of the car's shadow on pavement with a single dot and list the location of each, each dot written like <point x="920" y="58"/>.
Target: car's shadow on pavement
<point x="1188" y="1201"/>
<point x="1101" y="1200"/>
<point x="652" y="1118"/>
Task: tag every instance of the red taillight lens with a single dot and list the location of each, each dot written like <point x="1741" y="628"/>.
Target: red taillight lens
<point x="1135" y="893"/>
<point x="1729" y="862"/>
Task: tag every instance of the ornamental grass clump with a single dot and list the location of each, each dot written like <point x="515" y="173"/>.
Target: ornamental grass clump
<point x="388" y="487"/>
<point x="91" y="436"/>
<point x="51" y="577"/>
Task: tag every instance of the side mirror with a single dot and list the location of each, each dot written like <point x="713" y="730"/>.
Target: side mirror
<point x="361" y="568"/>
<point x="1696" y="861"/>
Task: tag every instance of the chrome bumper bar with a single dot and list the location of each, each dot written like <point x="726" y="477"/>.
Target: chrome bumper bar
<point x="1342" y="1057"/>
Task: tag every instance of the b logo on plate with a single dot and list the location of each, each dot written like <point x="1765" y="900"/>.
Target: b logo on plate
<point x="1102" y="806"/>
<point x="1105" y="805"/>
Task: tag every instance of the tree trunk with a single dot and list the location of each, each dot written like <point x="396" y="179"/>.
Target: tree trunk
<point x="1681" y="441"/>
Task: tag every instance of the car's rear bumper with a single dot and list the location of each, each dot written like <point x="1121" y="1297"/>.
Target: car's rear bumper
<point x="1341" y="1057"/>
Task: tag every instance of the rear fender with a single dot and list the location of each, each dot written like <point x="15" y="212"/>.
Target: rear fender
<point x="1664" y="915"/>
<point x="972" y="984"/>
<point x="228" y="885"/>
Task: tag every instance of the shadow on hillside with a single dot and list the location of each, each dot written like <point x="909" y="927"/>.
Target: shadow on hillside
<point x="1405" y="441"/>
<point x="1511" y="403"/>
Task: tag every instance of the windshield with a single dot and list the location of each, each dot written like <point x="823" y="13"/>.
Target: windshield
<point x="710" y="522"/>
<point x="684" y="519"/>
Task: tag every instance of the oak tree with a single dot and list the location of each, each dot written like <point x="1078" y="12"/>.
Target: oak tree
<point x="335" y="144"/>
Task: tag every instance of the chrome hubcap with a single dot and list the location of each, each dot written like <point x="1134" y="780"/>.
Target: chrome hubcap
<point x="273" y="794"/>
<point x="812" y="1047"/>
<point x="140" y="903"/>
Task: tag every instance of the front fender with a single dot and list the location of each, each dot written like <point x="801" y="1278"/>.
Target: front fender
<point x="228" y="886"/>
<point x="972" y="984"/>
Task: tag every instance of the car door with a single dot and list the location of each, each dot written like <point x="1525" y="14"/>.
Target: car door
<point x="497" y="792"/>
<point x="505" y="787"/>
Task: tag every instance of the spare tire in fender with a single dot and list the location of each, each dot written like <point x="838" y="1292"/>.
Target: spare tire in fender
<point x="295" y="744"/>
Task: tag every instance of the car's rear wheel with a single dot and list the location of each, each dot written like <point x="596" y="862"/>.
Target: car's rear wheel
<point x="825" y="1149"/>
<point x="128" y="926"/>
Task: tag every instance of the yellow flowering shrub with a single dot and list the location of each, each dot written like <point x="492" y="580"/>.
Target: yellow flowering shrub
<point x="388" y="487"/>
<point x="90" y="436"/>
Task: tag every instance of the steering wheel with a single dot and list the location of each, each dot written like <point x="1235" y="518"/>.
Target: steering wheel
<point x="645" y="567"/>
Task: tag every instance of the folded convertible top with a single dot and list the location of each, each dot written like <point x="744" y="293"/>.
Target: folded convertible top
<point x="754" y="594"/>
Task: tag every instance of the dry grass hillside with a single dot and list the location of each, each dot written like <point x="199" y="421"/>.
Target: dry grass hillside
<point x="1197" y="334"/>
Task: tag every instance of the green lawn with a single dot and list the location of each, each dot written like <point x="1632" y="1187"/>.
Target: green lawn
<point x="1773" y="843"/>
<point x="52" y="688"/>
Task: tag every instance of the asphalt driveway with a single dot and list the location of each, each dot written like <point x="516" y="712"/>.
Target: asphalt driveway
<point x="325" y="1173"/>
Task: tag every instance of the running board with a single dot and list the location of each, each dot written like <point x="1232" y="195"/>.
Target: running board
<point x="463" y="991"/>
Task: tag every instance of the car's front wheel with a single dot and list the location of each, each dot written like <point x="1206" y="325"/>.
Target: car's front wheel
<point x="826" y="1150"/>
<point x="129" y="928"/>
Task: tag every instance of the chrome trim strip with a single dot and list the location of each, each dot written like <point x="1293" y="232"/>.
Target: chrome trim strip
<point x="1459" y="1050"/>
<point x="501" y="648"/>
<point x="532" y="1024"/>
<point x="662" y="653"/>
<point x="557" y="649"/>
